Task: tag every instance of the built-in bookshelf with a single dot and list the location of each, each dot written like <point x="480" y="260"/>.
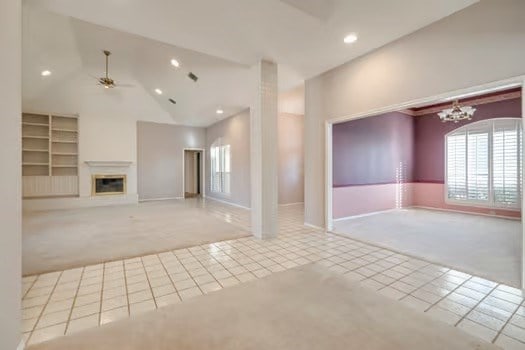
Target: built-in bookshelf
<point x="49" y="155"/>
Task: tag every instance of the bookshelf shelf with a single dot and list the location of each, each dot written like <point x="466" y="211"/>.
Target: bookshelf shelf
<point x="49" y="155"/>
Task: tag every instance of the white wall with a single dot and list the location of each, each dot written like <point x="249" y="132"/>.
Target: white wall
<point x="160" y="158"/>
<point x="107" y="138"/>
<point x="480" y="44"/>
<point x="107" y="132"/>
<point x="10" y="173"/>
<point x="291" y="158"/>
<point x="234" y="131"/>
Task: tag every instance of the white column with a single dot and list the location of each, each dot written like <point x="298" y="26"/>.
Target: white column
<point x="264" y="157"/>
<point x="522" y="196"/>
<point x="10" y="174"/>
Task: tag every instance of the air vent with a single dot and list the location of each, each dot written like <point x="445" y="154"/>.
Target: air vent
<point x="172" y="101"/>
<point x="193" y="76"/>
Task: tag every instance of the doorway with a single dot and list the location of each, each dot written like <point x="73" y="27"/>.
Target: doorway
<point x="417" y="211"/>
<point x="193" y="173"/>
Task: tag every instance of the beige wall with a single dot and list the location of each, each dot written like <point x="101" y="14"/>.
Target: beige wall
<point x="487" y="44"/>
<point x="160" y="158"/>
<point x="291" y="158"/>
<point x="10" y="173"/>
<point x="234" y="131"/>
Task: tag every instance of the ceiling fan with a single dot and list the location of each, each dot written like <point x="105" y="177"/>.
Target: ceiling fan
<point x="106" y="81"/>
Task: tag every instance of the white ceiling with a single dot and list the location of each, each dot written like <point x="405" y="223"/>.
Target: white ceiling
<point x="216" y="39"/>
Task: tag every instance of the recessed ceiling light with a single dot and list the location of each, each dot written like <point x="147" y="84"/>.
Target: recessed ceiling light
<point x="158" y="91"/>
<point x="175" y="63"/>
<point x="220" y="111"/>
<point x="45" y="73"/>
<point x="350" y="38"/>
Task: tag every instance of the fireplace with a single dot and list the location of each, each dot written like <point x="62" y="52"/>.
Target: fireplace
<point x="108" y="185"/>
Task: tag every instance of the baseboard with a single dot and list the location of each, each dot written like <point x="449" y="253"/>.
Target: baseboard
<point x="467" y="212"/>
<point x="228" y="203"/>
<point x="368" y="214"/>
<point x="159" y="199"/>
<point x="289" y="204"/>
<point x="21" y="345"/>
<point x="78" y="202"/>
<point x="314" y="226"/>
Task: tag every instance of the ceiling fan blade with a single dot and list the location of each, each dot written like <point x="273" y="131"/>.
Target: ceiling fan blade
<point x="124" y="85"/>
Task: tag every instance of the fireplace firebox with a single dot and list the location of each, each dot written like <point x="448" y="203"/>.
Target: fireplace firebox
<point x="108" y="185"/>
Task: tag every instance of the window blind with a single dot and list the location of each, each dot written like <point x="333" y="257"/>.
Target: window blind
<point x="506" y="174"/>
<point x="457" y="166"/>
<point x="220" y="167"/>
<point x="483" y="163"/>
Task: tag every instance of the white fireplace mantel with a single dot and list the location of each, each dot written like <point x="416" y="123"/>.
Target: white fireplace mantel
<point x="109" y="163"/>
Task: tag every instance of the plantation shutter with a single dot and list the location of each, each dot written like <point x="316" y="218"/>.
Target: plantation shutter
<point x="220" y="167"/>
<point x="506" y="163"/>
<point x="456" y="166"/>
<point x="478" y="166"/>
<point x="484" y="163"/>
<point x="215" y="169"/>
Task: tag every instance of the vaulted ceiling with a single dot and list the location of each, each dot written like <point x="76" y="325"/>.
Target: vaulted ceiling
<point x="218" y="40"/>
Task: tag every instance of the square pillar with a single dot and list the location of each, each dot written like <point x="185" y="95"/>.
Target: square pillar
<point x="264" y="156"/>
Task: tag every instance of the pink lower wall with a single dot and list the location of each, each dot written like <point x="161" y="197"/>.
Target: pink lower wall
<point x="359" y="200"/>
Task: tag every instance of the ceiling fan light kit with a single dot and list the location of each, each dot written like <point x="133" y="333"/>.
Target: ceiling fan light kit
<point x="106" y="81"/>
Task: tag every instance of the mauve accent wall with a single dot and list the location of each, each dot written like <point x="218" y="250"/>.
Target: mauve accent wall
<point x="367" y="151"/>
<point x="371" y="150"/>
<point x="429" y="165"/>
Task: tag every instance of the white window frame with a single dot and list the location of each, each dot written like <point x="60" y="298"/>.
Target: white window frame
<point x="224" y="182"/>
<point x="489" y="127"/>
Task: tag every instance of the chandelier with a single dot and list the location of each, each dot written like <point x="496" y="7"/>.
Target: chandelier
<point x="456" y="113"/>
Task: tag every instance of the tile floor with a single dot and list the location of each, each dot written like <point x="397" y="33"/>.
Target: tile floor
<point x="68" y="301"/>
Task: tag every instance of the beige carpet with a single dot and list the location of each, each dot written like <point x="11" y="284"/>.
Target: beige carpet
<point x="484" y="246"/>
<point x="58" y="240"/>
<point x="299" y="309"/>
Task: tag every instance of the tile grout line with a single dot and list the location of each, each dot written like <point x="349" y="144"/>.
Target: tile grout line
<point x="31" y="287"/>
<point x="189" y="274"/>
<point x="126" y="286"/>
<point x="74" y="300"/>
<point x="448" y="294"/>
<point x="475" y="306"/>
<point x="209" y="272"/>
<point x="406" y="275"/>
<point x="506" y="323"/>
<point x="44" y="308"/>
<point x="169" y="276"/>
<point x="376" y="273"/>
<point x="102" y="293"/>
<point x="149" y="283"/>
<point x="441" y="297"/>
<point x="243" y="265"/>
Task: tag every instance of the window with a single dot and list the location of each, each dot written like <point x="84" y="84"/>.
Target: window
<point x="483" y="163"/>
<point x="220" y="167"/>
